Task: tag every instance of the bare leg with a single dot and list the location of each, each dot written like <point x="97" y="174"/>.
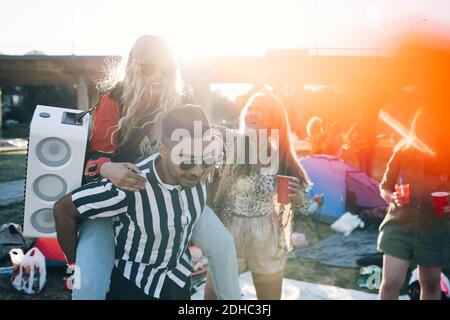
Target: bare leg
<point x="268" y="286"/>
<point x="429" y="279"/>
<point x="209" y="289"/>
<point x="394" y="274"/>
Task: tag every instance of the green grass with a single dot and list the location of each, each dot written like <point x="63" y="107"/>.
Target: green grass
<point x="313" y="230"/>
<point x="12" y="213"/>
<point x="313" y="271"/>
<point x="13" y="165"/>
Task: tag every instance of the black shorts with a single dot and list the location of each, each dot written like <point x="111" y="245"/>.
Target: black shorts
<point x="427" y="249"/>
<point x="123" y="289"/>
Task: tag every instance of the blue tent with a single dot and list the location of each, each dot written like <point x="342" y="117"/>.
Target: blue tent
<point x="334" y="178"/>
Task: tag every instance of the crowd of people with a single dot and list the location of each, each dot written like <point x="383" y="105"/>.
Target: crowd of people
<point x="144" y="199"/>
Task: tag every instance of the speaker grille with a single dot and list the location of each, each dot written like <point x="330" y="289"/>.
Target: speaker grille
<point x="42" y="221"/>
<point x="50" y="187"/>
<point x="53" y="152"/>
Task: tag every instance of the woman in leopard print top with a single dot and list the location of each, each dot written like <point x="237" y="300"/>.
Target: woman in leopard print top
<point x="246" y="197"/>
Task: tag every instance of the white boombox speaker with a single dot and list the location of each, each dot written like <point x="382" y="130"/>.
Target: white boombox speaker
<point x="56" y="152"/>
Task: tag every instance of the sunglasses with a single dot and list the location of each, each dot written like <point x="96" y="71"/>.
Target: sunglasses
<point x="149" y="69"/>
<point x="188" y="164"/>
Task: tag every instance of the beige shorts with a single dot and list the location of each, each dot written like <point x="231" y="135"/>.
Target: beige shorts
<point x="256" y="241"/>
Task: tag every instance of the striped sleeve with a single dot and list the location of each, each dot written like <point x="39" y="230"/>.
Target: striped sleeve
<point x="100" y="199"/>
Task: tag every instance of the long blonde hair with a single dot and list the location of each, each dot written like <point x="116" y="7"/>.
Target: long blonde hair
<point x="275" y="117"/>
<point x="140" y="107"/>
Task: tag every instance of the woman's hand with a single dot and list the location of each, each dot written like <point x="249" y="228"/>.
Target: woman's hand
<point x="296" y="194"/>
<point x="397" y="199"/>
<point x="392" y="197"/>
<point x="124" y="175"/>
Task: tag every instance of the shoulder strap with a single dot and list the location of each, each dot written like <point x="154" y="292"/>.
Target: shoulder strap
<point x="115" y="94"/>
<point x="81" y="115"/>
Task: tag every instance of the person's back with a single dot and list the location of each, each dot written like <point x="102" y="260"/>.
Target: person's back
<point x="334" y="140"/>
<point x="316" y="136"/>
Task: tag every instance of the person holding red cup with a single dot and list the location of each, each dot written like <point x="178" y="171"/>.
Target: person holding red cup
<point x="440" y="203"/>
<point x="401" y="196"/>
<point x="257" y="203"/>
<point x="286" y="187"/>
<point x="416" y="228"/>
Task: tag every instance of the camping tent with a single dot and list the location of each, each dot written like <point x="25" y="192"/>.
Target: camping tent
<point x="340" y="183"/>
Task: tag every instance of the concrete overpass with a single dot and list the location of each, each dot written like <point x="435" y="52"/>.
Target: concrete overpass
<point x="276" y="68"/>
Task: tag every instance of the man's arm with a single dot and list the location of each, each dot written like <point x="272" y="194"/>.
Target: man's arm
<point x="99" y="199"/>
<point x="67" y="219"/>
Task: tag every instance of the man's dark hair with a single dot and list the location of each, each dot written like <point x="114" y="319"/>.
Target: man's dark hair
<point x="183" y="117"/>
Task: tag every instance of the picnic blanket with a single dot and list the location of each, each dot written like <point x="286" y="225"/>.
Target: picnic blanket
<point x="339" y="250"/>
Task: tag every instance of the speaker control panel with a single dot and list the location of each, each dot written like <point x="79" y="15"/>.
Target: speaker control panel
<point x="71" y="119"/>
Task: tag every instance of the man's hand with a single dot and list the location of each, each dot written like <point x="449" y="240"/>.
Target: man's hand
<point x="69" y="280"/>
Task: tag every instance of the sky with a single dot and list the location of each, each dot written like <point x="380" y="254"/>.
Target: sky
<point x="210" y="27"/>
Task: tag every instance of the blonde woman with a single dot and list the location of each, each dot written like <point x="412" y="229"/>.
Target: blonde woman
<point x="126" y="126"/>
<point x="246" y="198"/>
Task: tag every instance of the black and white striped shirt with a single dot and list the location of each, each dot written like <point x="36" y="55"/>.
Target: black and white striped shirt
<point x="152" y="227"/>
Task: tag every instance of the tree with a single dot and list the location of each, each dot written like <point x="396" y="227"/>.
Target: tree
<point x="51" y="95"/>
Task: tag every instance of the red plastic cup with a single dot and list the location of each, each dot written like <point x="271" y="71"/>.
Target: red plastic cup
<point x="282" y="188"/>
<point x="440" y="201"/>
<point x="403" y="192"/>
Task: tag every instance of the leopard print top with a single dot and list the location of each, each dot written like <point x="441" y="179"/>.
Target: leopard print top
<point x="254" y="195"/>
<point x="250" y="196"/>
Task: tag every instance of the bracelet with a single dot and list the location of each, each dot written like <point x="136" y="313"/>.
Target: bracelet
<point x="101" y="161"/>
<point x="71" y="267"/>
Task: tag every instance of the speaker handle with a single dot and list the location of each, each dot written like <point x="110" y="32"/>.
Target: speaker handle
<point x="81" y="115"/>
